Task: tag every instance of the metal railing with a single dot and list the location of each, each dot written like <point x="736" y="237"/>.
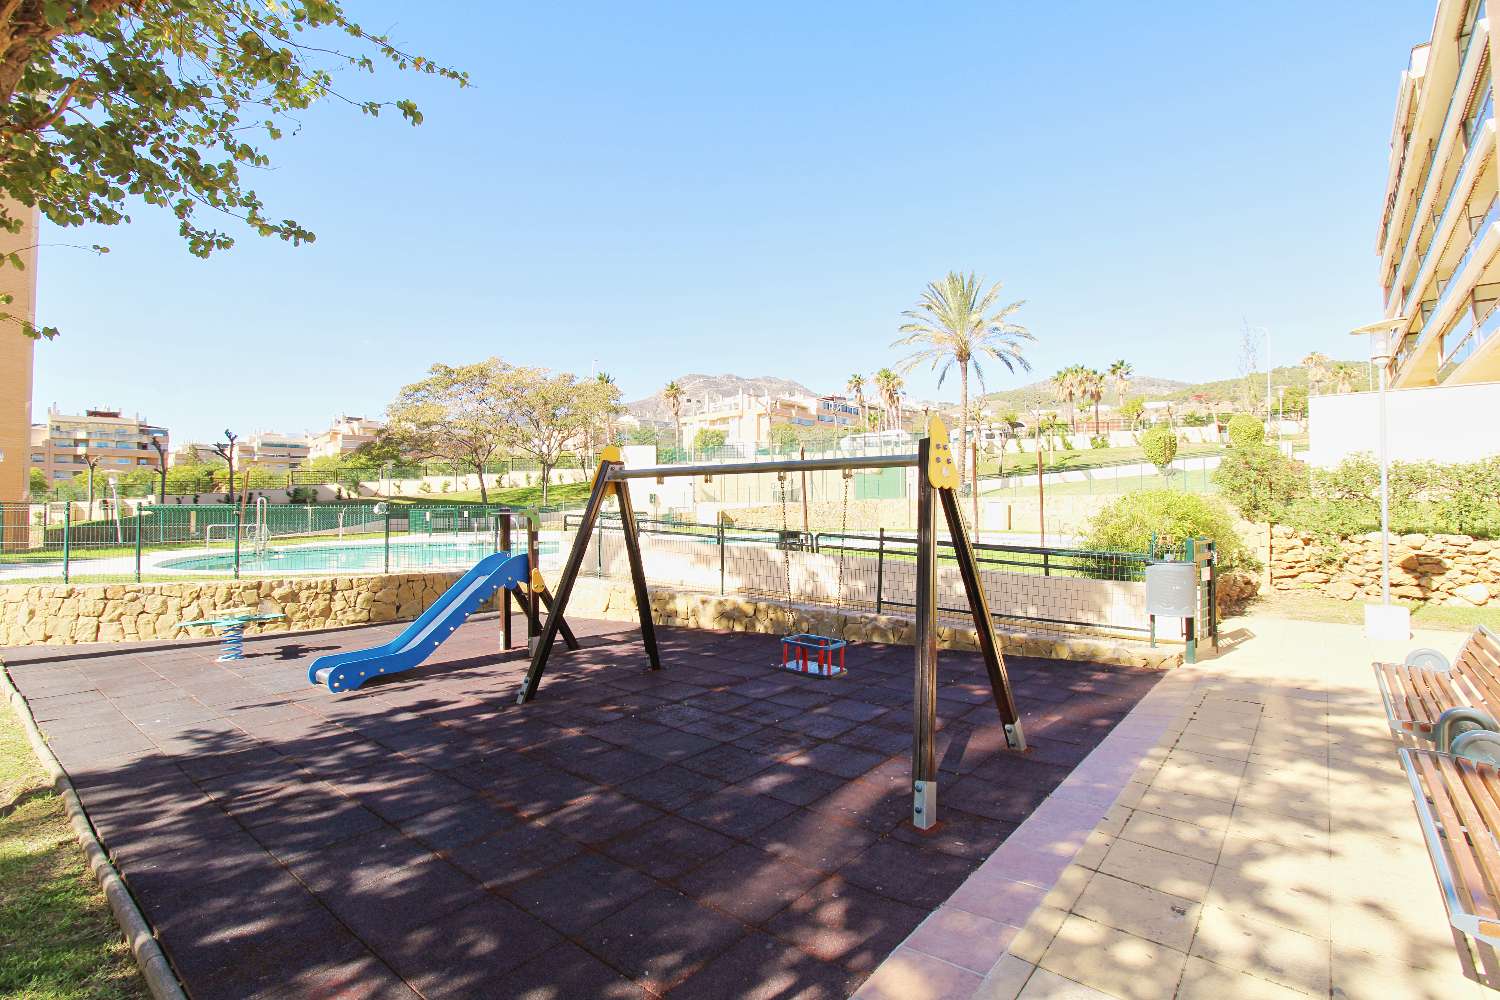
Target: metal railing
<point x="70" y="543"/>
<point x="870" y="561"/>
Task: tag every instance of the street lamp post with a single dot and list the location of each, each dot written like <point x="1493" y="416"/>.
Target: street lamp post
<point x="1385" y="620"/>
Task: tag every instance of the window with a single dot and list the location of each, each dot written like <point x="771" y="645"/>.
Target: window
<point x="38" y="458"/>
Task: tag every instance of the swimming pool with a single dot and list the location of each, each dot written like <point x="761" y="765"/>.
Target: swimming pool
<point x="364" y="557"/>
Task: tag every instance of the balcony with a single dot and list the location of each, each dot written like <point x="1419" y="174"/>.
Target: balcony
<point x="1433" y="169"/>
<point x="1470" y="342"/>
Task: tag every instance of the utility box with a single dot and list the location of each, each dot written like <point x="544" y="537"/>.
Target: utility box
<point x="1172" y="589"/>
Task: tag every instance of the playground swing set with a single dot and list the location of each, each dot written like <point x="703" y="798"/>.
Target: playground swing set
<point x="937" y="483"/>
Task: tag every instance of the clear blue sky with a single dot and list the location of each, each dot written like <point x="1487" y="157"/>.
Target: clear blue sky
<point x="762" y="189"/>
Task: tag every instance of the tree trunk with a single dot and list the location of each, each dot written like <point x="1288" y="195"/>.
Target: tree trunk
<point x="963" y="418"/>
<point x="546" y="479"/>
<point x="484" y="494"/>
<point x="1096" y="418"/>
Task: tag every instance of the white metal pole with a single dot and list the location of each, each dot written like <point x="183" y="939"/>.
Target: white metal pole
<point x="1268" y="374"/>
<point x="1385" y="504"/>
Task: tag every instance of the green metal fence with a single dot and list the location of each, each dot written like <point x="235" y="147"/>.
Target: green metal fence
<point x="71" y="543"/>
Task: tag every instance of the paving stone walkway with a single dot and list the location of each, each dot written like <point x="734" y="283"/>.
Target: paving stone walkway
<point x="1265" y="846"/>
<point x="716" y="829"/>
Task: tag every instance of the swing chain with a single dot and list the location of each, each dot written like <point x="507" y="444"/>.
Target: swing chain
<point x="838" y="605"/>
<point x="786" y="555"/>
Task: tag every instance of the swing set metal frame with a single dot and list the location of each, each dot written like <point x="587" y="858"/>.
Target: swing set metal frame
<point x="936" y="487"/>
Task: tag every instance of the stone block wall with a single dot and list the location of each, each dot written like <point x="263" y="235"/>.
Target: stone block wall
<point x="1455" y="570"/>
<point x="80" y="613"/>
<point x="62" y="614"/>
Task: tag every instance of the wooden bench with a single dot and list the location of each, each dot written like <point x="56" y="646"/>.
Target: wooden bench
<point x="1458" y="805"/>
<point x="1418" y="692"/>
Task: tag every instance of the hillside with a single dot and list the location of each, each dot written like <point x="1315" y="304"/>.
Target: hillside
<point x="700" y="389"/>
<point x="1042" y="395"/>
<point x="1224" y="390"/>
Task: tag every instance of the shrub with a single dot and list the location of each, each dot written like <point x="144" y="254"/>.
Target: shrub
<point x="1260" y="482"/>
<point x="1426" y="497"/>
<point x="1099" y="441"/>
<point x="1245" y="431"/>
<point x="708" y="439"/>
<point x="1160" y="446"/>
<point x="1166" y="517"/>
<point x="302" y="494"/>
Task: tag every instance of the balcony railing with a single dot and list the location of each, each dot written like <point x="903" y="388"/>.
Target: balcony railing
<point x="1440" y="217"/>
<point x="1478" y="335"/>
<point x="1455" y="108"/>
<point x="1447" y="284"/>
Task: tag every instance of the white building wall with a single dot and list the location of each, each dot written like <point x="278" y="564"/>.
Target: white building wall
<point x="1440" y="423"/>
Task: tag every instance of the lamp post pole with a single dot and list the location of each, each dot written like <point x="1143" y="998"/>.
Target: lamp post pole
<point x="1386" y="621"/>
<point x="1385" y="495"/>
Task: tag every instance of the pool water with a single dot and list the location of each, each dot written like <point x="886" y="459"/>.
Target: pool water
<point x="368" y="557"/>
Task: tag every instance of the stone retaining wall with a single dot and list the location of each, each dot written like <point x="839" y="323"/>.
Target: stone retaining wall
<point x="61" y="614"/>
<point x="1449" y="569"/>
<point x="66" y="614"/>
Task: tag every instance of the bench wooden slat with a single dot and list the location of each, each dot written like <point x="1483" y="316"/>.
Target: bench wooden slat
<point x="1465" y="789"/>
<point x="1417" y="696"/>
<point x="1454" y="844"/>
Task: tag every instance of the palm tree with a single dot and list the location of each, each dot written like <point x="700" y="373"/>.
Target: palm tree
<point x="1119" y="373"/>
<point x="610" y="433"/>
<point x="958" y="323"/>
<point x="1342" y="375"/>
<point x="1065" y="384"/>
<point x="1319" y="368"/>
<point x="672" y="396"/>
<point x="1091" y="387"/>
<point x="856" y="388"/>
<point x="889" y="385"/>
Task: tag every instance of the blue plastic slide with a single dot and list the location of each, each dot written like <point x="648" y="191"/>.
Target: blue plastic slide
<point x="347" y="671"/>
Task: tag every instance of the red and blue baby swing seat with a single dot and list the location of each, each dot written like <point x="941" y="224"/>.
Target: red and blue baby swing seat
<point x="806" y="653"/>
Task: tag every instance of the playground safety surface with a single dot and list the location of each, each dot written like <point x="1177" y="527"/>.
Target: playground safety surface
<point x="718" y="828"/>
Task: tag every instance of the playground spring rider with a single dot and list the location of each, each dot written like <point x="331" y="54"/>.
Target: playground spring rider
<point x="807" y="652"/>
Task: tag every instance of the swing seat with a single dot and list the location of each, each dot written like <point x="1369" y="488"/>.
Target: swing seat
<point x="806" y="653"/>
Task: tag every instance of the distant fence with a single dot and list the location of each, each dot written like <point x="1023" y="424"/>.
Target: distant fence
<point x="1068" y="589"/>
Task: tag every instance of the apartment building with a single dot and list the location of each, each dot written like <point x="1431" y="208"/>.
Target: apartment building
<point x="273" y="451"/>
<point x="747" y="419"/>
<point x="1438" y="233"/>
<point x="65" y="444"/>
<point x="15" y="368"/>
<point x="343" y="436"/>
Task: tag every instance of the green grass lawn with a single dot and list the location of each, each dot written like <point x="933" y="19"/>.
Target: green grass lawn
<point x="511" y="496"/>
<point x="1308" y="605"/>
<point x="1057" y="461"/>
<point x="58" y="939"/>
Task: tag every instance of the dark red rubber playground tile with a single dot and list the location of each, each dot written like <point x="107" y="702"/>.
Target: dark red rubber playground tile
<point x="600" y="816"/>
<point x="814" y="839"/>
<point x="383" y="911"/>
<point x="737" y="813"/>
<point x="469" y="952"/>
<point x="671" y="787"/>
<point x="839" y="922"/>
<point x="513" y="854"/>
<point x="662" y="938"/>
<point x="907" y="873"/>
<point x="566" y="972"/>
<point x="580" y="892"/>
<point x="760" y="967"/>
<point x="668" y="847"/>
<point x="748" y="883"/>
